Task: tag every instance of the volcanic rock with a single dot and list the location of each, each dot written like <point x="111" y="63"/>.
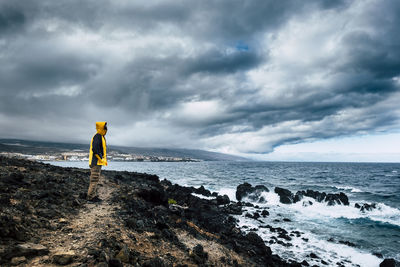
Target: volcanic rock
<point x="265" y="213"/>
<point x="199" y="255"/>
<point x="123" y="254"/>
<point x="154" y="262"/>
<point x="30" y="249"/>
<point x="18" y="260"/>
<point x="365" y="207"/>
<point x="389" y="263"/>
<point x="331" y="199"/>
<point x="154" y="195"/>
<point x="63" y="257"/>
<point x="202" y="191"/>
<point x="253" y="193"/>
<point x="222" y="200"/>
<point x="285" y="196"/>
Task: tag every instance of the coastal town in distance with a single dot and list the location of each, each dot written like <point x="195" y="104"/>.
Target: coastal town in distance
<point x="79" y="155"/>
<point x="48" y="151"/>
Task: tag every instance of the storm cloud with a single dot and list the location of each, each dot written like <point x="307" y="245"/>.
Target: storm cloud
<point x="231" y="76"/>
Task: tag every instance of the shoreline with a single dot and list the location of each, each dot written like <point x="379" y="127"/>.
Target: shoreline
<point x="133" y="226"/>
<point x="151" y="221"/>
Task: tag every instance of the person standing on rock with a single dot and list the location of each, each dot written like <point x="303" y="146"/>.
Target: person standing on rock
<point x="97" y="158"/>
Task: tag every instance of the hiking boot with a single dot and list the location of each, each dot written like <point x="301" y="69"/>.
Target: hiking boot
<point x="96" y="199"/>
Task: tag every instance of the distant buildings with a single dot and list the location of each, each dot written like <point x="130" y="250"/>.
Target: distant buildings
<point x="79" y="155"/>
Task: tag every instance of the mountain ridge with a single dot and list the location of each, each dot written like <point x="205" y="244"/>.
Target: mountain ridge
<point x="40" y="147"/>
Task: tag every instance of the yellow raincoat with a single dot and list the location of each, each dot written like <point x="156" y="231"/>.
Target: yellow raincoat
<point x="98" y="146"/>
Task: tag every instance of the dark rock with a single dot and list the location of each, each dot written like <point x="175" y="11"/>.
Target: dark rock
<point x="389" y="263"/>
<point x="202" y="191"/>
<point x="123" y="254"/>
<point x="285" y="196"/>
<point x="332" y="199"/>
<point x="243" y="190"/>
<point x="30" y="249"/>
<point x="154" y="195"/>
<point x="255" y="215"/>
<point x="115" y="263"/>
<point x="199" y="255"/>
<point x="247" y="190"/>
<point x="222" y="200"/>
<point x="368" y="207"/>
<point x="297" y="197"/>
<point x="18" y="260"/>
<point x="265" y="213"/>
<point x="259" y="243"/>
<point x="307" y="203"/>
<point x="233" y="209"/>
<point x="63" y="258"/>
<point x="313" y="255"/>
<point x="304" y="263"/>
<point x="154" y="262"/>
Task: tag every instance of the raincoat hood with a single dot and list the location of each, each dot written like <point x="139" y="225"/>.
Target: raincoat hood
<point x="100" y="125"/>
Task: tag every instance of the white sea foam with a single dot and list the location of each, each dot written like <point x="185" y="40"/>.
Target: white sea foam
<point x="328" y="251"/>
<point x="230" y="192"/>
<point x="350" y="188"/>
<point x="321" y="211"/>
<point x="382" y="213"/>
<point x="201" y="196"/>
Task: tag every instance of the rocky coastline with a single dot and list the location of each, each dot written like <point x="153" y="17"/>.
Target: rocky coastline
<point x="141" y="221"/>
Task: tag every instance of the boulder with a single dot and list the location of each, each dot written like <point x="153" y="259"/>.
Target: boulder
<point x="285" y="196"/>
<point x="331" y="199"/>
<point x="298" y="196"/>
<point x="222" y="200"/>
<point x="265" y="213"/>
<point x="243" y="190"/>
<point x="18" y="260"/>
<point x="258" y="243"/>
<point x="199" y="255"/>
<point x="63" y="257"/>
<point x="365" y="207"/>
<point x="389" y="263"/>
<point x="202" y="191"/>
<point x="31" y="249"/>
<point x="253" y="193"/>
<point x="123" y="254"/>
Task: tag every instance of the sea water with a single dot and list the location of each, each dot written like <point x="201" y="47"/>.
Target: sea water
<point x="323" y="229"/>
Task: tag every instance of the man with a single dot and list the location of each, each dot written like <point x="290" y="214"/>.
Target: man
<point x="97" y="158"/>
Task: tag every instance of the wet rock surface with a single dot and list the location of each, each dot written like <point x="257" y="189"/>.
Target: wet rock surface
<point x="287" y="197"/>
<point x="389" y="263"/>
<point x="46" y="221"/>
<point x="253" y="193"/>
<point x="365" y="206"/>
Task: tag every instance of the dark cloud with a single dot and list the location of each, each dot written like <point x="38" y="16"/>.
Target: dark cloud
<point x="249" y="75"/>
<point x="215" y="62"/>
<point x="11" y="19"/>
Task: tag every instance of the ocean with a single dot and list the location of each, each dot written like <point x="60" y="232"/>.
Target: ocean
<point x="334" y="233"/>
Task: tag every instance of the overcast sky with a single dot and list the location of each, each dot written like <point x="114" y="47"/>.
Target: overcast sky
<point x="258" y="78"/>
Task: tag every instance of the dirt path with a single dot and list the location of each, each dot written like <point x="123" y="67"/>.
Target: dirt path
<point x="74" y="237"/>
